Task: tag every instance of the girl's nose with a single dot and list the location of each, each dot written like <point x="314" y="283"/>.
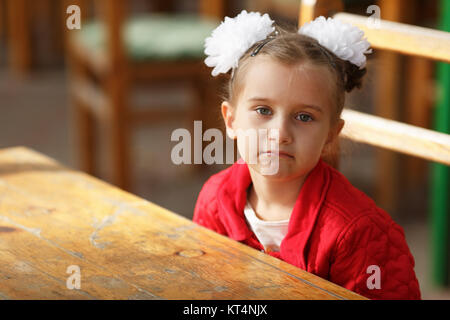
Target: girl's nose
<point x="283" y="129"/>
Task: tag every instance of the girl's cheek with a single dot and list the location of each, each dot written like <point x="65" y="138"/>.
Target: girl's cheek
<point x="246" y="147"/>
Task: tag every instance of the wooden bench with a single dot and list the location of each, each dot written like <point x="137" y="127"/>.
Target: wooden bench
<point x="125" y="247"/>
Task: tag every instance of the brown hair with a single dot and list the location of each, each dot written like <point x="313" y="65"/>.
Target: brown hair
<point x="287" y="46"/>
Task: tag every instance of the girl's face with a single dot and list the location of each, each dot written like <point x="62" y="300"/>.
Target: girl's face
<point x="296" y="101"/>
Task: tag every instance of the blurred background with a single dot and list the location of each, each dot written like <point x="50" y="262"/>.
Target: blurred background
<point x="106" y="98"/>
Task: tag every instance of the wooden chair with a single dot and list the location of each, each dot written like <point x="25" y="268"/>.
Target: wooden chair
<point x="396" y="136"/>
<point x="21" y="19"/>
<point x="18" y="36"/>
<point x="107" y="56"/>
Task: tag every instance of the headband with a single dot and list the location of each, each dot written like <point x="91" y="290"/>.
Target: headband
<point x="234" y="36"/>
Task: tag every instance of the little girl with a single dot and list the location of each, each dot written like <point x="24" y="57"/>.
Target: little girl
<point x="305" y="212"/>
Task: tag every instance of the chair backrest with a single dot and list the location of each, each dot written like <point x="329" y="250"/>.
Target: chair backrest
<point x="405" y="39"/>
<point x="113" y="14"/>
<point x="310" y="9"/>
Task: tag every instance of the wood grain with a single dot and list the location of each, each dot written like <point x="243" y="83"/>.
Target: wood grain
<point x="52" y="217"/>
<point x="403" y="38"/>
<point x="393" y="135"/>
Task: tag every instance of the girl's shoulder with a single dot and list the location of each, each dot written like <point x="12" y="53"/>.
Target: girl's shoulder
<point x="211" y="186"/>
<point x="357" y="222"/>
<point x="206" y="208"/>
<point x="349" y="202"/>
<point x="217" y="179"/>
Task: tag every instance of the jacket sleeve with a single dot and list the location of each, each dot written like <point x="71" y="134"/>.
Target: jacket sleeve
<point x="206" y="211"/>
<point x="372" y="259"/>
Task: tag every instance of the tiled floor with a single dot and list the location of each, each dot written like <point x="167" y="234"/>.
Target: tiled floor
<point x="35" y="112"/>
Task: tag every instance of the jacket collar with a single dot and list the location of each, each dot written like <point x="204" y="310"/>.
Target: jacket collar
<point x="232" y="197"/>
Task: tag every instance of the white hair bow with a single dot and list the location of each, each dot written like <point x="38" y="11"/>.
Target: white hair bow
<point x="234" y="36"/>
<point x="344" y="40"/>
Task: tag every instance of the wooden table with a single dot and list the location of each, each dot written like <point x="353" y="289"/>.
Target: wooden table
<point x="52" y="218"/>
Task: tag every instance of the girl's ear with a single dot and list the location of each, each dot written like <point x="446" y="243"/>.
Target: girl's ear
<point x="228" y="117"/>
<point x="340" y="125"/>
<point x="334" y="132"/>
<point x="330" y="151"/>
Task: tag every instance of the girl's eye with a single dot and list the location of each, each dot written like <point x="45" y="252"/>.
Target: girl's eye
<point x="264" y="111"/>
<point x="304" y="117"/>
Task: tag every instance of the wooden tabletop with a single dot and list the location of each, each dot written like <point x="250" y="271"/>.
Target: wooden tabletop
<point x="56" y="221"/>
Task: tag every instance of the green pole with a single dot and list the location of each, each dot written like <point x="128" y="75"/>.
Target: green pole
<point x="440" y="191"/>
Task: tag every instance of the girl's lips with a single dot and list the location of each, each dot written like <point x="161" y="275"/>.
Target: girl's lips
<point x="280" y="154"/>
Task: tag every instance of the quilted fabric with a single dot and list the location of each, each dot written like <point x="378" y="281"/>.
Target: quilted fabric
<point x="335" y="231"/>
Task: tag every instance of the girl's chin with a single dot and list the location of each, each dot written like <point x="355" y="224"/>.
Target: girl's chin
<point x="275" y="171"/>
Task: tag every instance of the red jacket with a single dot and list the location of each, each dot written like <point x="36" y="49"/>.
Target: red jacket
<point x="335" y="231"/>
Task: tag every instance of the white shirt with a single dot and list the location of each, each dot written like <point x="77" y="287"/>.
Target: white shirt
<point x="269" y="233"/>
